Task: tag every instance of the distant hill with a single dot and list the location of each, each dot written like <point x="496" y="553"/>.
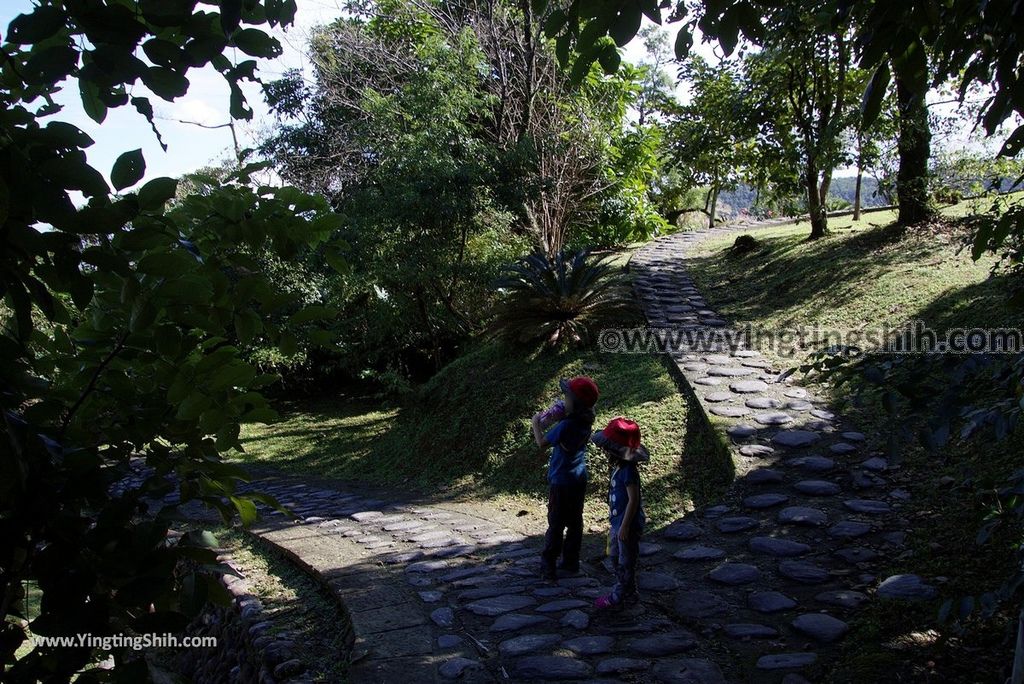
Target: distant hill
<point x="842" y="188"/>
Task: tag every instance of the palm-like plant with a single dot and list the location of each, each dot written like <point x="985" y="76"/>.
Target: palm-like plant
<point x="559" y="300"/>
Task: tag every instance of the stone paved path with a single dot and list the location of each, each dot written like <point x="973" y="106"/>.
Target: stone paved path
<point x="759" y="588"/>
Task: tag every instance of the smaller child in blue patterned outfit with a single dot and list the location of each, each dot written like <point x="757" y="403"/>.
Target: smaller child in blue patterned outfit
<point x="620" y="441"/>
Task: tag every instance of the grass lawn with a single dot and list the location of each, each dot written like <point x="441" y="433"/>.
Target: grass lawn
<point x="864" y="274"/>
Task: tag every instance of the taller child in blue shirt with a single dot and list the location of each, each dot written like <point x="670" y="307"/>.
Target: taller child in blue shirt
<point x="567" y="473"/>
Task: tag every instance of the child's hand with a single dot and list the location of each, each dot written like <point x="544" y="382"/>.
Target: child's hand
<point x="623" y="533"/>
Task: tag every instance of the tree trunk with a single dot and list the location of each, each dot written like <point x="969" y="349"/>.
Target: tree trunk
<point x="911" y="76"/>
<point x="714" y="206"/>
<point x="856" y="193"/>
<point x="815" y="207"/>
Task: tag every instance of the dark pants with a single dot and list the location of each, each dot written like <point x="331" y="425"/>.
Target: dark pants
<point x="565" y="516"/>
<point x="624" y="555"/>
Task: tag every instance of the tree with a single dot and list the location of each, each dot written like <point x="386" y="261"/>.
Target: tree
<point x="711" y="138"/>
<point x="122" y="326"/>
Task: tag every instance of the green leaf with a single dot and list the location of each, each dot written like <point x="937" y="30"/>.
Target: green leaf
<point x="1014" y="143"/>
<point x="36" y="27"/>
<point x="163" y="52"/>
<point x="288" y="344"/>
<point x="684" y="41"/>
<point x="626" y="25"/>
<point x="610" y="59"/>
<point x="145" y="107"/>
<point x="871" y="102"/>
<point x="230" y="15"/>
<point x="128" y="169"/>
<point x="50" y="65"/>
<point x="95" y="108"/>
<point x="153" y="194"/>
<point x="246" y="510"/>
<point x="166" y="263"/>
<point x="256" y="43"/>
<point x="165" y="82"/>
<point x="314" y="312"/>
<point x="554" y="23"/>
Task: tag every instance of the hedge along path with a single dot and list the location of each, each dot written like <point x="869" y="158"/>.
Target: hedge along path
<point x="759" y="587"/>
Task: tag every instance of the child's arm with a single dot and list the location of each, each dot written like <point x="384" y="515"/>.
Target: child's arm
<point x="538" y="431"/>
<point x="633" y="490"/>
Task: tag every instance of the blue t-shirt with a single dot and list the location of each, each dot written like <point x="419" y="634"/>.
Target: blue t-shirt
<point x="568" y="463"/>
<point x="624" y="475"/>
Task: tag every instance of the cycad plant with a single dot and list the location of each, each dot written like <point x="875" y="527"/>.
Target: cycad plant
<point x="560" y="300"/>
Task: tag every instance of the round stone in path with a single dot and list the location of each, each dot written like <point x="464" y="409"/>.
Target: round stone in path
<point x="842" y="448"/>
<point x="799" y="405"/>
<point x="907" y="588"/>
<point x="656" y="581"/>
<point x="718" y="359"/>
<point x="735" y="574"/>
<point x="778" y="547"/>
<point x="823" y="414"/>
<point x="765" y="500"/>
<point x="796" y="393"/>
<point x="560" y="605"/>
<point x="649" y="549"/>
<point x="576" y="619"/>
<point x="821" y="627"/>
<point x="774" y="418"/>
<point x="708" y="381"/>
<point x="843" y="598"/>
<point x="875" y="463"/>
<point x="658" y="645"/>
<point x="817" y="487"/>
<point x="622" y="665"/>
<point x="739" y="523"/>
<point x="730" y="371"/>
<point x="856" y="554"/>
<point x="699" y="604"/>
<point x="516" y="621"/>
<point x="763" y="476"/>
<point x="688" y="671"/>
<point x="803" y="571"/>
<point x="448" y="640"/>
<point x="748" y="386"/>
<point x="528" y="643"/>
<point x="729" y="411"/>
<point x="681" y="530"/>
<point x="849" y="529"/>
<point x="746" y="353"/>
<point x="795" y="439"/>
<point x="551" y="668"/>
<point x="456" y="667"/>
<point x="802" y="515"/>
<point x="443" y="617"/>
<point x="868" y="506"/>
<point x="763" y="403"/>
<point x="715" y="511"/>
<point x="699" y="553"/>
<point x="747" y="630"/>
<point x="741" y="431"/>
<point x="590" y="645"/>
<point x="694" y="367"/>
<point x="715" y="397"/>
<point x="769" y="602"/>
<point x="756" y="450"/>
<point x="786" y="661"/>
<point x="853" y="436"/>
<point x="756" y="363"/>
<point x="813" y="464"/>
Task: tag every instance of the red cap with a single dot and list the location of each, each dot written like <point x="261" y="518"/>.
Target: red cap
<point x="623" y="431"/>
<point x="582" y="388"/>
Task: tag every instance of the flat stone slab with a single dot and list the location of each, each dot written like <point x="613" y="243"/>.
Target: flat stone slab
<point x="503" y="589"/>
<point x="773" y="418"/>
<point x="868" y="506"/>
<point x="737" y="524"/>
<point x="803" y="571"/>
<point x="688" y="671"/>
<point x="821" y="627"/>
<point x="763" y="403"/>
<point x="849" y="529"/>
<point x="795" y="439"/>
<point x="756" y="450"/>
<point x="656" y="581"/>
<point x="576" y="619"/>
<point x="741" y="431"/>
<point x="527" y="643"/>
<point x="769" y="602"/>
<point x="906" y="588"/>
<point x="715" y="397"/>
<point x="735" y="574"/>
<point x="456" y="667"/>
<point x="796" y="393"/>
<point x="590" y="645"/>
<point x="550" y="668"/>
<point x="843" y="598"/>
<point x="511" y="622"/>
<point x="758" y="501"/>
<point x="498" y="605"/>
<point x="817" y="487"/>
<point x="875" y="463"/>
<point x="699" y="552"/>
<point x="748" y="630"/>
<point x="763" y="476"/>
<point x="842" y="448"/>
<point x="729" y="411"/>
<point x="730" y="371"/>
<point x="622" y="665"/>
<point x="786" y="661"/>
<point x="681" y="530"/>
<point x="699" y="604"/>
<point x="449" y="640"/>
<point x="708" y="381"/>
<point x="658" y="645"/>
<point x="749" y="386"/>
<point x="782" y="548"/>
<point x="856" y="554"/>
<point x="799" y="405"/>
<point x="560" y="605"/>
<point x="802" y="515"/>
<point x="443" y="617"/>
<point x="823" y="414"/>
<point x="813" y="464"/>
<point x="853" y="436"/>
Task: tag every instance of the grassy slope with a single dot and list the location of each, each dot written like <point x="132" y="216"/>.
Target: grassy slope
<point x="866" y="274"/>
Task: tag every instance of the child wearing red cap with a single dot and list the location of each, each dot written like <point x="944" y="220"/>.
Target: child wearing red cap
<point x="620" y="441"/>
<point x="567" y="471"/>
